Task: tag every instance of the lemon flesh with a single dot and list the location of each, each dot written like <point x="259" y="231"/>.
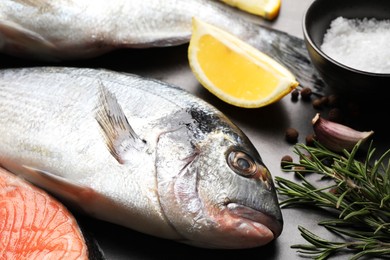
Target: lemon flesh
<point x="234" y="71"/>
<point x="268" y="9"/>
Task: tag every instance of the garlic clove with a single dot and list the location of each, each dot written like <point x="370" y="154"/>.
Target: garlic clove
<point x="335" y="136"/>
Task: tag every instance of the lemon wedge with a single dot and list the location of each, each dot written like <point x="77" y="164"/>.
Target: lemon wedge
<point x="268" y="9"/>
<point x="234" y="71"/>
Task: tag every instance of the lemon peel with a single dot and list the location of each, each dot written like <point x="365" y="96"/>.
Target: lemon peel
<point x="268" y="9"/>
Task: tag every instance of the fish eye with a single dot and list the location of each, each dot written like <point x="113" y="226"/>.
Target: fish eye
<point x="242" y="163"/>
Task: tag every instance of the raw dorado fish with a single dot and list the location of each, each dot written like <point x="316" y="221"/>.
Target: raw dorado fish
<point x="138" y="153"/>
<point x="34" y="225"/>
<point x="76" y="29"/>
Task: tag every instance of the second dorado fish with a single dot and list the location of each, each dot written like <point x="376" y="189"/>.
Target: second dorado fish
<point x="58" y="30"/>
<point x="138" y="153"/>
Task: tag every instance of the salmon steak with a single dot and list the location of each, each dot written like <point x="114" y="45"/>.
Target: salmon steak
<point x="34" y="225"/>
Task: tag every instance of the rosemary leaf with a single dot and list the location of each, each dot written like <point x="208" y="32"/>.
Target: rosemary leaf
<point x="359" y="194"/>
<point x="356" y="213"/>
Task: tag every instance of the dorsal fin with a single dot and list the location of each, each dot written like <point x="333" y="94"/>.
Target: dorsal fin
<point x="119" y="136"/>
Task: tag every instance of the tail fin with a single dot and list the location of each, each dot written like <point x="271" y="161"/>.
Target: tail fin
<point x="290" y="51"/>
<point x="287" y="49"/>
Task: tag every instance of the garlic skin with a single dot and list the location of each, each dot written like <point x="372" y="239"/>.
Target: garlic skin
<point x="335" y="136"/>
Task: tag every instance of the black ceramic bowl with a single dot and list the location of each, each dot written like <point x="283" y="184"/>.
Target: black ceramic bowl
<point x="338" y="76"/>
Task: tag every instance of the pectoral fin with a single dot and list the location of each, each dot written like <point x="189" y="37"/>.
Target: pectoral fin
<point x="80" y="197"/>
<point x="57" y="185"/>
<point x="118" y="134"/>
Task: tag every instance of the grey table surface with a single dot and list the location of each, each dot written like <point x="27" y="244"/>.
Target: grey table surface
<point x="264" y="126"/>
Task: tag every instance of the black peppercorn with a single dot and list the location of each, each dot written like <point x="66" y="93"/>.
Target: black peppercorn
<point x="310" y="138"/>
<point x="317" y="103"/>
<point x="299" y="169"/>
<point x="291" y="135"/>
<point x="324" y="100"/>
<point x="295" y="95"/>
<point x="286" y="160"/>
<point x="306" y="93"/>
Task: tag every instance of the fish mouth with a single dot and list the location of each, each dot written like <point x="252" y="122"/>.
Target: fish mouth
<point x="258" y="217"/>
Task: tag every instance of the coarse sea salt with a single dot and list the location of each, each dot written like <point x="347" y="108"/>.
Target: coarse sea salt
<point x="362" y="44"/>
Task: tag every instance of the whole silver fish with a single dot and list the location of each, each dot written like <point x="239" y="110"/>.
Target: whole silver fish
<point x="76" y="29"/>
<point x="138" y="153"/>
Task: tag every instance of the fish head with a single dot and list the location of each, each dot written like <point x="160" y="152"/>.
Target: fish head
<point x="217" y="192"/>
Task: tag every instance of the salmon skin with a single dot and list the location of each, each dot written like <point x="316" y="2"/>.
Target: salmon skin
<point x="34" y="225"/>
<point x="139" y="153"/>
<point x="48" y="30"/>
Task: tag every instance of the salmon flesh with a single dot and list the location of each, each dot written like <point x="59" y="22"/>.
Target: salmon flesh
<point x="34" y="225"/>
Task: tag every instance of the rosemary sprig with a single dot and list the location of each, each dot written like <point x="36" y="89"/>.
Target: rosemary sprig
<point x="357" y="199"/>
